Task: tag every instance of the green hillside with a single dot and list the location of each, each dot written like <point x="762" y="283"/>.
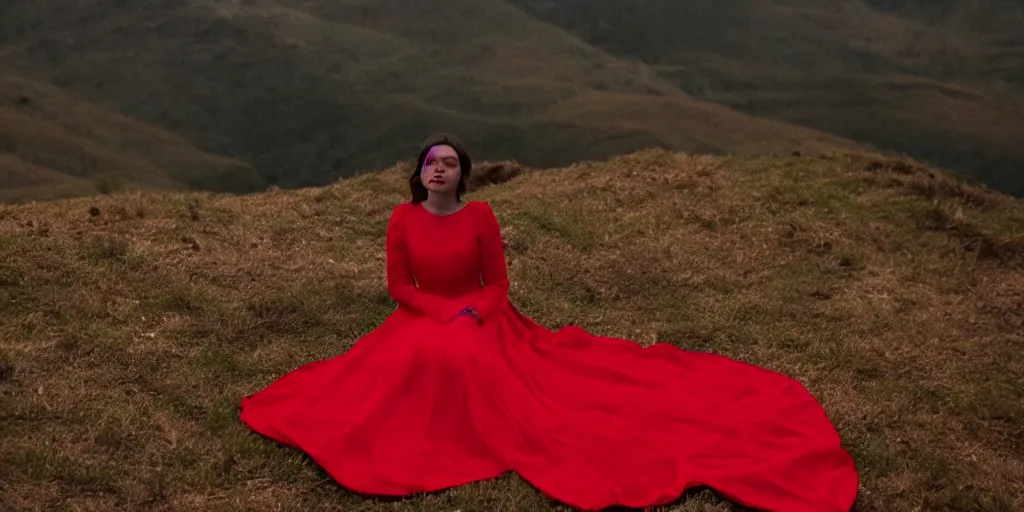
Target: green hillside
<point x="308" y="91"/>
<point x="132" y="324"/>
<point x="54" y="145"/>
<point x="941" y="81"/>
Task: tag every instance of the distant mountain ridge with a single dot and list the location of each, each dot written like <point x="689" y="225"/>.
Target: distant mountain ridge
<point x="942" y="81"/>
<point x="308" y="91"/>
<point x="53" y="145"/>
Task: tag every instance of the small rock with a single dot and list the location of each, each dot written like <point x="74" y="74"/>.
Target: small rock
<point x="94" y="211"/>
<point x="191" y="241"/>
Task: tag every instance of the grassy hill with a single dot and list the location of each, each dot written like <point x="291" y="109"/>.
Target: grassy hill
<point x="54" y="145"/>
<point x="308" y="91"/>
<point x="941" y="81"/>
<point x="894" y="291"/>
<point x="977" y="41"/>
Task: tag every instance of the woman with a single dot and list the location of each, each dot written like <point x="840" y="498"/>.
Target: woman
<point x="457" y="386"/>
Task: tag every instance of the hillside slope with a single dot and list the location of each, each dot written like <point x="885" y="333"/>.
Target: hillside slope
<point x="892" y="291"/>
<point x="53" y="145"/>
<point x="307" y="91"/>
<point x="941" y="81"/>
<point x="977" y="41"/>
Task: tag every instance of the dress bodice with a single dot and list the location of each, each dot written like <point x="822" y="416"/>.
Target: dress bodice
<point x="443" y="251"/>
<point x="438" y="265"/>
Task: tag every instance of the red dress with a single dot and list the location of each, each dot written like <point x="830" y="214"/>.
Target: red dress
<point x="429" y="400"/>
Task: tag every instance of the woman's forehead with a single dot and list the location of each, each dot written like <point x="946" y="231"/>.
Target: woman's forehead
<point x="442" y="151"/>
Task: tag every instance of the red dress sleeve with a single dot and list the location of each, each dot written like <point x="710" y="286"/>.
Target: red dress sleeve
<point x="494" y="294"/>
<point x="401" y="286"/>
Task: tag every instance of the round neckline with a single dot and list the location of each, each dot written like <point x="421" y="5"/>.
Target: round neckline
<point x="444" y="215"/>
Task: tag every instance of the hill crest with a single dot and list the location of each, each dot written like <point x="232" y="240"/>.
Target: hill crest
<point x="131" y="324"/>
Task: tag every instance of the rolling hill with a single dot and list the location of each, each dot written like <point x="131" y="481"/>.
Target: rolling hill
<point x="54" y="145"/>
<point x="942" y="81"/>
<point x="307" y="91"/>
<point x="132" y="324"/>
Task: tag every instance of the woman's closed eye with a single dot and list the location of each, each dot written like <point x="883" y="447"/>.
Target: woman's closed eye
<point x="447" y="161"/>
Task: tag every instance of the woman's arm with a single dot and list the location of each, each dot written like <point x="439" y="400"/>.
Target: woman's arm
<point x="494" y="293"/>
<point x="400" y="281"/>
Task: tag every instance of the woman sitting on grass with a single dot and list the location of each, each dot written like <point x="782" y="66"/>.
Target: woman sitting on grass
<point x="457" y="386"/>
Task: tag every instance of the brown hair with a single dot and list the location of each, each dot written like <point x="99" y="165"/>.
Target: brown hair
<point x="416" y="188"/>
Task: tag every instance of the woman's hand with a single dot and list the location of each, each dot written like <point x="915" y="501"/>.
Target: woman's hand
<point x="470" y="310"/>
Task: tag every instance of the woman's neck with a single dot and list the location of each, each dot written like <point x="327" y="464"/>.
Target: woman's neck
<point x="442" y="204"/>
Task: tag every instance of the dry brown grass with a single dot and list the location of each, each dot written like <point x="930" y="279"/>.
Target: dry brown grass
<point x="132" y="324"/>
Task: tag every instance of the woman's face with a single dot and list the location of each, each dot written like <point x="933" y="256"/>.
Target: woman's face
<point x="441" y="171"/>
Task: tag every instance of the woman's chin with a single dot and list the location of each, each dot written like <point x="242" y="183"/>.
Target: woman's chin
<point x="440" y="189"/>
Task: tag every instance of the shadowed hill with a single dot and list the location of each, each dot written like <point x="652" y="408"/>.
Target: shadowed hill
<point x="894" y="291"/>
<point x="307" y="91"/>
<point x="983" y="41"/>
<point x="942" y="81"/>
<point x="53" y="145"/>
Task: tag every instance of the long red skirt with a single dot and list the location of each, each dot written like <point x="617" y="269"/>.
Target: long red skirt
<point x="591" y="421"/>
